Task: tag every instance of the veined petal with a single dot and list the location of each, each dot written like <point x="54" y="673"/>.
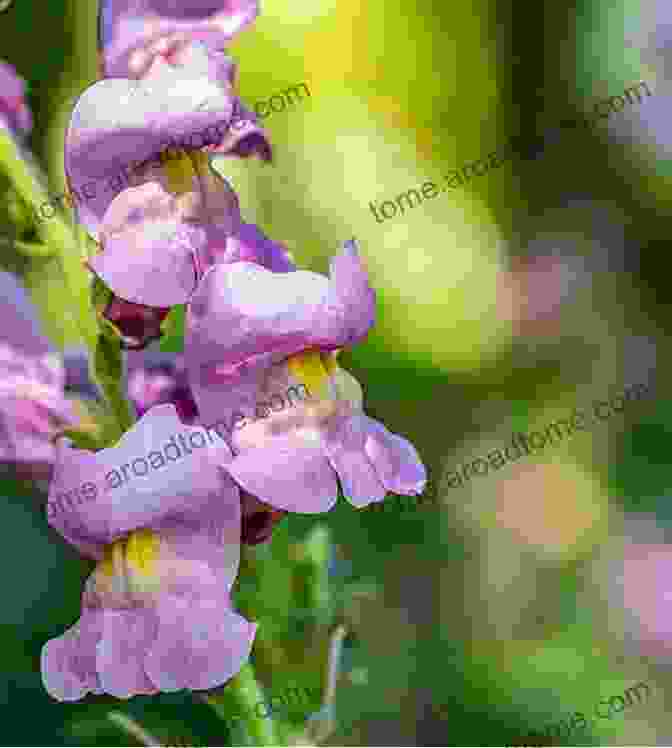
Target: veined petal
<point x="118" y="127"/>
<point x="242" y="311"/>
<point x="68" y="663"/>
<point x="133" y="32"/>
<point x="154" y="264"/>
<point x="157" y="616"/>
<point x="160" y="469"/>
<point x="201" y="644"/>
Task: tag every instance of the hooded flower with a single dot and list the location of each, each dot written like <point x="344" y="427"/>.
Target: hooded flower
<point x="253" y="335"/>
<point x="33" y="406"/>
<point x="127" y="132"/>
<point x="163" y="520"/>
<point x="14" y="113"/>
<point x="132" y="33"/>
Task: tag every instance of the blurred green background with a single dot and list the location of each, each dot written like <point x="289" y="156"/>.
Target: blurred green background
<point x="484" y="620"/>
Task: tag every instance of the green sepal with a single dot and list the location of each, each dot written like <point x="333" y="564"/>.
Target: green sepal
<point x="100" y="295"/>
<point x="108" y="369"/>
<point x="108" y="363"/>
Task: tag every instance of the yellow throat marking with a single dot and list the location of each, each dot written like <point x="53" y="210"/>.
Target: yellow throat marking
<point x="309" y="368"/>
<point x="178" y="167"/>
<point x="136" y="554"/>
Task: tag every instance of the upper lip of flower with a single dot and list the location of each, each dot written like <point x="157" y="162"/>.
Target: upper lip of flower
<point x="254" y="322"/>
<point x="191" y="107"/>
<point x="125" y="29"/>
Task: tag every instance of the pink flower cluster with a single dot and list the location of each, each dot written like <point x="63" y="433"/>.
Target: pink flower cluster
<point x="156" y="611"/>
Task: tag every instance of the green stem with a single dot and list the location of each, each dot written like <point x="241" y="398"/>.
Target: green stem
<point x="55" y="233"/>
<point x="238" y="699"/>
<point x="62" y="243"/>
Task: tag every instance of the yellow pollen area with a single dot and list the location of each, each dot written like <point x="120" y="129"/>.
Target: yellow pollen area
<point x="179" y="172"/>
<point x="142" y="550"/>
<point x="201" y="161"/>
<point x="137" y="553"/>
<point x="309" y="369"/>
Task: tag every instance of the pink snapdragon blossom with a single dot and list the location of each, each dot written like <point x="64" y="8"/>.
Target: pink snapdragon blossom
<point x="163" y="520"/>
<point x="132" y="33"/>
<point x="127" y="132"/>
<point x="253" y="334"/>
<point x="15" y="115"/>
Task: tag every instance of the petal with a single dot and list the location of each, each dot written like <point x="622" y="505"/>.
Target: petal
<point x="118" y="125"/>
<point x="244" y="137"/>
<point x="358" y="476"/>
<point x="129" y="26"/>
<point x="240" y="311"/>
<point x="13" y="107"/>
<point x="161" y="468"/>
<point x="126" y="636"/>
<point x="288" y="474"/>
<point x="68" y="662"/>
<point x="250" y="244"/>
<point x="154" y="268"/>
<point x="397" y="462"/>
<point x="370" y="461"/>
<point x="201" y="644"/>
<point x="21" y="327"/>
<point x="350" y="290"/>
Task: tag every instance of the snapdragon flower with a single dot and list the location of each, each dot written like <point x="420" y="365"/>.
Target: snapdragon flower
<point x="173" y="216"/>
<point x="132" y="33"/>
<point x="252" y="334"/>
<point x="126" y="133"/>
<point x="164" y="524"/>
<point x="15" y="115"/>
